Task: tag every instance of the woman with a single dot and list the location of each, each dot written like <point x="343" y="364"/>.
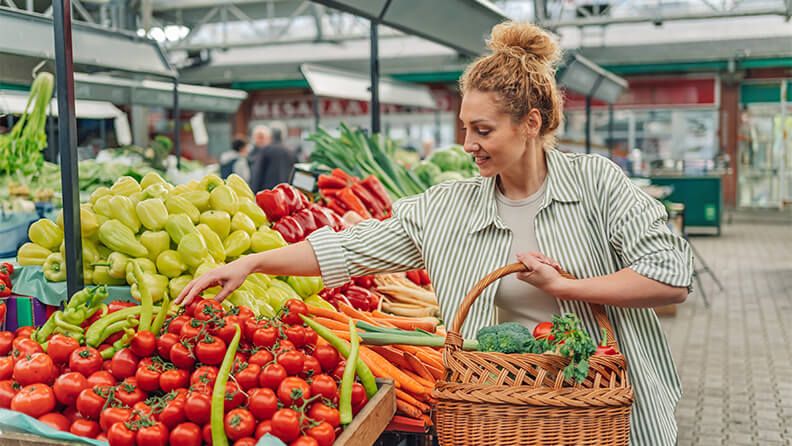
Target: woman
<point x="579" y="210"/>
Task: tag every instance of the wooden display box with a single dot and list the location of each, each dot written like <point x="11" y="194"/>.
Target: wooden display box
<point x="364" y="430"/>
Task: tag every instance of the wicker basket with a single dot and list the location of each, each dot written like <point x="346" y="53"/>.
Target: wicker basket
<point x="523" y="399"/>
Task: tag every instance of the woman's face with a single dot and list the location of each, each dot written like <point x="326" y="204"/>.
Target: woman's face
<point x="491" y="135"/>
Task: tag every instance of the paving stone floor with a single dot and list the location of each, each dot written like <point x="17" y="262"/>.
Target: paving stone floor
<point x="735" y="357"/>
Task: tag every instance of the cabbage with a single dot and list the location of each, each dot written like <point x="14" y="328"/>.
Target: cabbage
<point x="448" y="176"/>
<point x="427" y="172"/>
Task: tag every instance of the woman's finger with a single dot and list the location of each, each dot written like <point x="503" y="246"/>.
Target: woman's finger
<point x="197" y="287"/>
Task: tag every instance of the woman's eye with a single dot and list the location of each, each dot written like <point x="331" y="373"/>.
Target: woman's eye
<point x="483" y="132"/>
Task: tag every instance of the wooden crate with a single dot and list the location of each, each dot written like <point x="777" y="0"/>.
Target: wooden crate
<point x="364" y="430"/>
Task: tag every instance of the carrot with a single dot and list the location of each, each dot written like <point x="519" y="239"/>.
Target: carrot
<point x="330" y="314"/>
<point x="393" y="356"/>
<point x="421" y="381"/>
<point x="407" y="324"/>
<point x="407" y="382"/>
<point x="400" y="394"/>
<point x="418" y="367"/>
<point x="408" y="409"/>
<point x="434" y="371"/>
<point x="341" y="334"/>
<point x="355" y="314"/>
<point x="406" y="424"/>
<point x="330" y="323"/>
<point x="426" y="355"/>
<point x="428" y="420"/>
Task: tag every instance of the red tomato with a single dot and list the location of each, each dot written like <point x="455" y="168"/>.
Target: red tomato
<point x="156" y="435"/>
<point x="143" y="344"/>
<point x="6" y="340"/>
<point x="101" y="378"/>
<point x="359" y="397"/>
<point x="244" y="313"/>
<point x="239" y="423"/>
<point x="283" y="345"/>
<point x="7" y="367"/>
<point x="261" y="358"/>
<point x="112" y="415"/>
<point x="322" y="412"/>
<point x="338" y="373"/>
<point x="225" y="328"/>
<point x="208" y="309"/>
<point x="262" y="403"/>
<point x="292" y="361"/>
<point x="85" y="360"/>
<point x="120" y="435"/>
<point x="272" y="375"/>
<point x="142" y="410"/>
<point x="148" y="377"/>
<point x="165" y="343"/>
<point x="192" y="330"/>
<point x="544" y="330"/>
<point x="177" y="323"/>
<point x="304" y="441"/>
<point x="292" y="311"/>
<point x="323" y="433"/>
<point x="327" y="357"/>
<point x="210" y="350"/>
<point x="85" y="428"/>
<point x="265" y="337"/>
<point x="56" y="420"/>
<point x="182" y="356"/>
<point x="116" y="305"/>
<point x="173" y="413"/>
<point x="310" y="337"/>
<point x="206" y="375"/>
<point x="129" y="393"/>
<point x="197" y="408"/>
<point x="293" y="390"/>
<point x="124" y="364"/>
<point x="286" y="425"/>
<point x="206" y="433"/>
<point x="233" y="397"/>
<point x="68" y="386"/>
<point x="8" y="389"/>
<point x="24" y="332"/>
<point x="25" y="346"/>
<point x="324" y="385"/>
<point x="174" y="379"/>
<point x="311" y="367"/>
<point x="263" y="428"/>
<point x="34" y="400"/>
<point x="60" y="348"/>
<point x="90" y="404"/>
<point x="249" y="326"/>
<point x="247" y="377"/>
<point x="247" y="441"/>
<point x="296" y="334"/>
<point x="186" y="434"/>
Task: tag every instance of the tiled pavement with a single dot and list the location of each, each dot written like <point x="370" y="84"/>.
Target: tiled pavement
<point x="735" y="357"/>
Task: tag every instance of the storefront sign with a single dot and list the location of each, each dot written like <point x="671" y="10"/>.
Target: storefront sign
<point x="658" y="93"/>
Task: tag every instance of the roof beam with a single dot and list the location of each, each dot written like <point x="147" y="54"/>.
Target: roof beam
<point x="659" y="19"/>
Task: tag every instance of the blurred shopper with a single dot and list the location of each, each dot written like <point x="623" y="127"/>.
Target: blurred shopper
<point x="262" y="137"/>
<point x="235" y="160"/>
<point x="274" y="163"/>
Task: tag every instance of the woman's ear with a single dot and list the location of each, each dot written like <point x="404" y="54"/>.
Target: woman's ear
<point x="532" y="123"/>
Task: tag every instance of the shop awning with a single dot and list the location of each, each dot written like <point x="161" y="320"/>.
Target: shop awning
<point x="334" y="83"/>
<point x="13" y="102"/>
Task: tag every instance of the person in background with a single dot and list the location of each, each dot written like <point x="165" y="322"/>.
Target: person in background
<point x="262" y="137"/>
<point x="274" y="163"/>
<point x="235" y="160"/>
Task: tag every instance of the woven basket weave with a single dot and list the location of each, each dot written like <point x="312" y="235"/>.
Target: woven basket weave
<point x="524" y="399"/>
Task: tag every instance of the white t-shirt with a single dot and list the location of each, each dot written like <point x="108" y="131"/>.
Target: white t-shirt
<point x="515" y="300"/>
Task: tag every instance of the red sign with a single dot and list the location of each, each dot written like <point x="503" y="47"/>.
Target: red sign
<point x="657" y="92"/>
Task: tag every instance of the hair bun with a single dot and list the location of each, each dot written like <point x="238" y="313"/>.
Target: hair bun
<point x="515" y="38"/>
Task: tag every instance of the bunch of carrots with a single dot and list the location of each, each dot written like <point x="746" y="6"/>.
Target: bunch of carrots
<point x="413" y="369"/>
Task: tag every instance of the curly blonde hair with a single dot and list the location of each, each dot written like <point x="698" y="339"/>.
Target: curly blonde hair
<point x="520" y="70"/>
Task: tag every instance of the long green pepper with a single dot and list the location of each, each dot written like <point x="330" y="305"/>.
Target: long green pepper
<point x="146" y="302"/>
<point x="95" y="331"/>
<point x="159" y="321"/>
<point x="219" y="437"/>
<point x="345" y="394"/>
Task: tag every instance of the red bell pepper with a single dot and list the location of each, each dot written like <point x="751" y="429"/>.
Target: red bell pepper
<point x="295" y="200"/>
<point x="373" y="185"/>
<point x="360" y="298"/>
<point x="330" y="182"/>
<point x="347" y="178"/>
<point x="273" y="203"/>
<point x="2" y="313"/>
<point x="321" y="216"/>
<point x="604" y="349"/>
<point x="6" y="268"/>
<point x="290" y="229"/>
<point x="424" y="277"/>
<point x="366" y="282"/>
<point x="306" y="220"/>
<point x="414" y="276"/>
<point x="336" y="206"/>
<point x="5" y="290"/>
<point x="348" y="197"/>
<point x="368" y="200"/>
<point x="6" y="279"/>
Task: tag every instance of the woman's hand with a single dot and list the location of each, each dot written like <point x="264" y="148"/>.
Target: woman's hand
<point x="229" y="276"/>
<point x="543" y="272"/>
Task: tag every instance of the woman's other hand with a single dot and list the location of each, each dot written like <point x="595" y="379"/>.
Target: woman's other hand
<point x="229" y="276"/>
<point x="543" y="272"/>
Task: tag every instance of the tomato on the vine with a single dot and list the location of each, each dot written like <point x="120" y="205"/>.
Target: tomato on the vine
<point x="68" y="386"/>
<point x="112" y="415"/>
<point x="176" y="324"/>
<point x="310" y="337"/>
<point x="143" y="344"/>
<point x="292" y="361"/>
<point x="272" y="375"/>
<point x="265" y="337"/>
<point x="239" y="423"/>
<point x="247" y="375"/>
<point x="207" y="309"/>
<point x="120" y="435"/>
<point x="286" y="424"/>
<point x="101" y="378"/>
<point x="173" y="413"/>
<point x="295" y="334"/>
<point x="197" y="408"/>
<point x="156" y="435"/>
<point x="129" y="393"/>
<point x="56" y="420"/>
<point x="323" y="433"/>
<point x="205" y="374"/>
<point x="263" y="428"/>
<point x="206" y="433"/>
<point x="283" y="345"/>
<point x="261" y="358"/>
<point x="262" y="403"/>
<point x="249" y="326"/>
<point x="148" y="377"/>
<point x="338" y="373"/>
<point x="6" y="367"/>
<point x="322" y="412"/>
<point x="192" y="330"/>
<point x="182" y="356"/>
<point x="34" y="400"/>
<point x="244" y="313"/>
<point x="234" y="396"/>
<point x="124" y="364"/>
<point x="359" y="398"/>
<point x="246" y="441"/>
<point x="292" y="311"/>
<point x="293" y="390"/>
<point x="85" y="428"/>
<point x="8" y="389"/>
<point x="25" y="346"/>
<point x="304" y="441"/>
<point x="311" y="367"/>
<point x="186" y="434"/>
<point x="60" y="348"/>
<point x="210" y="350"/>
<point x="85" y="360"/>
<point x="324" y="385"/>
<point x="24" y="332"/>
<point x="174" y="379"/>
<point x="225" y="328"/>
<point x="165" y="343"/>
<point x="6" y="340"/>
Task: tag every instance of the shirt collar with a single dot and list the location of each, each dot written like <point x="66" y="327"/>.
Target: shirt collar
<point x="561" y="183"/>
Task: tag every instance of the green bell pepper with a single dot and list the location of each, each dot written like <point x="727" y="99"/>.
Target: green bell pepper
<point x="45" y="233"/>
<point x="126" y="186"/>
<point x="102" y="207"/>
<point x="100" y="192"/>
<point x="118" y="237"/>
<point x="155" y="242"/>
<point x="159" y="190"/>
<point x="237" y="243"/>
<point x="213" y="243"/>
<point x="54" y="268"/>
<point x="241" y="222"/>
<point x="157" y="285"/>
<point x="180" y="205"/>
<point x="198" y="198"/>
<point x="253" y="211"/>
<point x="150" y="179"/>
<point x="177" y="284"/>
<point x="305" y="286"/>
<point x="31" y="254"/>
<point x="145" y="264"/>
<point x="266" y="239"/>
<point x="152" y="213"/>
<point x="223" y="198"/>
<point x="170" y="263"/>
<point x="210" y="182"/>
<point x="192" y="249"/>
<point x="123" y="210"/>
<point x="178" y="226"/>
<point x="219" y="221"/>
<point x="240" y="186"/>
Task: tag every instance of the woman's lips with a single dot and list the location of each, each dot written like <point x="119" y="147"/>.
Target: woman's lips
<point x="480" y="160"/>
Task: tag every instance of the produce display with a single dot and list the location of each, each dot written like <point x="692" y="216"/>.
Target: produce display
<point x="344" y="193"/>
<point x="294" y="216"/>
<point x="448" y="164"/>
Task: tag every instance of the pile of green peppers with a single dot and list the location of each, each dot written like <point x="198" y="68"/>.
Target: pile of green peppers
<point x="83" y="304"/>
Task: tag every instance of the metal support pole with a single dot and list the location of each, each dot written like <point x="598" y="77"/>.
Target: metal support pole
<point x="610" y="131"/>
<point x="67" y="143"/>
<point x="588" y="124"/>
<point x="103" y="132"/>
<point x="374" y="60"/>
<point x="316" y="112"/>
<point x="176" y="122"/>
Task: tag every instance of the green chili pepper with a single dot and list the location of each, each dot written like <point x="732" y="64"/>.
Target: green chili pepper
<point x="156" y="326"/>
<point x="145" y="297"/>
<point x="43" y="333"/>
<point x="75" y="317"/>
<point x="345" y="394"/>
<point x="114" y="328"/>
<point x="119" y="344"/>
<point x="218" y="392"/>
<point x="343" y="347"/>
<point x="98" y="327"/>
<point x="59" y="322"/>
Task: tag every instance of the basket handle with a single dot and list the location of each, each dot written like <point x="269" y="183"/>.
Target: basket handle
<point x="454" y="338"/>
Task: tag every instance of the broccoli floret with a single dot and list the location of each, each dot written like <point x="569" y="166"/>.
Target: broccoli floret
<point x="509" y="337"/>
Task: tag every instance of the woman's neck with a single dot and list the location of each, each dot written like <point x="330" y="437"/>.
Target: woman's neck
<point x="526" y="176"/>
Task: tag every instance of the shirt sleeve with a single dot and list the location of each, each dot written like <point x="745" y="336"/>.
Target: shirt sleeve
<point x="639" y="234"/>
<point x="372" y="246"/>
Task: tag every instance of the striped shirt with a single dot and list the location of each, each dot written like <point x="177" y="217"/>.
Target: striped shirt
<point x="593" y="221"/>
